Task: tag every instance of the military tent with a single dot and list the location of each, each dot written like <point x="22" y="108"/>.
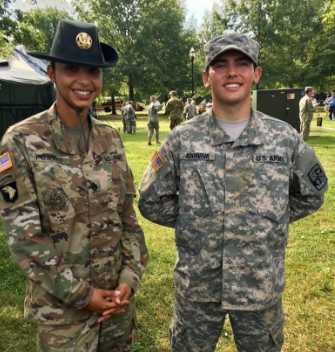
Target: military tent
<point x="25" y="88"/>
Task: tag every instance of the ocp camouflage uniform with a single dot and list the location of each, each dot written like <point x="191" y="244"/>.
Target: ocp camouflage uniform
<point x="71" y="227"/>
<point x="130" y="119"/>
<point x="174" y="108"/>
<point x="190" y="111"/>
<point x="306" y="109"/>
<point x="153" y="121"/>
<point x="230" y="203"/>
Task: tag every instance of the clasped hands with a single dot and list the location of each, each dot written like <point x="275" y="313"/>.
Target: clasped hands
<point x="109" y="302"/>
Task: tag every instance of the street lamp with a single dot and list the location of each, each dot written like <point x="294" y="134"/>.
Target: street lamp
<point x="192" y="56"/>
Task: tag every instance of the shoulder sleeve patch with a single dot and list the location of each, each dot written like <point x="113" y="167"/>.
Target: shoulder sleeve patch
<point x="157" y="161"/>
<point x="317" y="177"/>
<point x="5" y="162"/>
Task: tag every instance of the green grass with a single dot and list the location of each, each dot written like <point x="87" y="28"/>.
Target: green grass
<point x="309" y="299"/>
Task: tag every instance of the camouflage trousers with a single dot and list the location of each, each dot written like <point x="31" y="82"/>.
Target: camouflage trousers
<point x="305" y="126"/>
<point x="175" y="121"/>
<point x="196" y="327"/>
<point x="131" y="125"/>
<point x="153" y="125"/>
<point x="124" y="124"/>
<point x="113" y="335"/>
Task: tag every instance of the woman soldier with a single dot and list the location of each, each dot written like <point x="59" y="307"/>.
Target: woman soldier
<point x="67" y="207"/>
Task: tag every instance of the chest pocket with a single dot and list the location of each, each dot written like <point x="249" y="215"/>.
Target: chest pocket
<point x="199" y="194"/>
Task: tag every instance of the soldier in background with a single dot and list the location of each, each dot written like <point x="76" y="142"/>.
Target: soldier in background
<point x="230" y="181"/>
<point x="306" y="110"/>
<point x="203" y="106"/>
<point x="130" y="118"/>
<point x="190" y="110"/>
<point x="153" y="122"/>
<point x="123" y="117"/>
<point x="67" y="207"/>
<point x="174" y="108"/>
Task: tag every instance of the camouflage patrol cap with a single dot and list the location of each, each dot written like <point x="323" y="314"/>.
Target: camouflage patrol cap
<point x="231" y="41"/>
<point x="173" y="92"/>
<point x="153" y="97"/>
<point x="308" y="89"/>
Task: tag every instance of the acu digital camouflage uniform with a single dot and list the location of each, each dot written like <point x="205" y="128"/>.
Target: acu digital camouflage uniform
<point x="174" y="108"/>
<point x="123" y="116"/>
<point x="153" y="121"/>
<point x="306" y="109"/>
<point x="130" y="118"/>
<point x="71" y="227"/>
<point x="190" y="111"/>
<point x="230" y="203"/>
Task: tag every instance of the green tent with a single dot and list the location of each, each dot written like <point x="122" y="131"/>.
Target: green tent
<point x="25" y="88"/>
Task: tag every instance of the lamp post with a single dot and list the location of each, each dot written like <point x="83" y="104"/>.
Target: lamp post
<point x="192" y="55"/>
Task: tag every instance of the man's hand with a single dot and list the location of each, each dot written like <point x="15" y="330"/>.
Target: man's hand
<point x="107" y="300"/>
<point x="124" y="292"/>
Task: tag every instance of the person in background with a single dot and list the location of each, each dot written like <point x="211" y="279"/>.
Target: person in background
<point x="153" y="121"/>
<point x="190" y="110"/>
<point x="174" y="108"/>
<point x="230" y="181"/>
<point x="130" y="118"/>
<point x="331" y="102"/>
<point x="326" y="104"/>
<point x="203" y="106"/>
<point x="67" y="207"/>
<point x="123" y="117"/>
<point x="306" y="110"/>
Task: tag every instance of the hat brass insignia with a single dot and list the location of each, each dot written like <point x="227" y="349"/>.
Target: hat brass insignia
<point x="84" y="41"/>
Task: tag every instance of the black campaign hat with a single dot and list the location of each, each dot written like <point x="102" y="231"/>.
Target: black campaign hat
<point x="78" y="43"/>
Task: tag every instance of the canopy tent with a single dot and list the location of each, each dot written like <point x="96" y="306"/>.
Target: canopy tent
<point x="25" y="88"/>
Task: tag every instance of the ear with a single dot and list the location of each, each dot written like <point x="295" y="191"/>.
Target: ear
<point x="51" y="73"/>
<point x="205" y="79"/>
<point x="257" y="74"/>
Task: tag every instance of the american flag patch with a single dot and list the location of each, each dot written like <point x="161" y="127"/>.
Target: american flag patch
<point x="157" y="161"/>
<point x="5" y="162"/>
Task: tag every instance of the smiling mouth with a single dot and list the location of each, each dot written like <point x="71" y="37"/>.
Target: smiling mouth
<point x="232" y="85"/>
<point x="82" y="92"/>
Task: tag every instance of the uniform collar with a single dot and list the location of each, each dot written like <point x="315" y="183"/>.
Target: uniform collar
<point x="62" y="140"/>
<point x="252" y="135"/>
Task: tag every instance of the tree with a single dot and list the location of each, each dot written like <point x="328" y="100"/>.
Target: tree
<point x="7" y="26"/>
<point x="150" y="40"/>
<point x="36" y="28"/>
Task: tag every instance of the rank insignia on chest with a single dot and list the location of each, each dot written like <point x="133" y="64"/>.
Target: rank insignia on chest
<point x="5" y="162"/>
<point x="157" y="161"/>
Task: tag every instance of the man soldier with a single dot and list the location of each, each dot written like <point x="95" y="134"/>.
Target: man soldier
<point x="67" y="207"/>
<point x="153" y="122"/>
<point x="123" y="117"/>
<point x="306" y="110"/>
<point x="130" y="118"/>
<point x="190" y="110"/>
<point x="174" y="108"/>
<point x="230" y="181"/>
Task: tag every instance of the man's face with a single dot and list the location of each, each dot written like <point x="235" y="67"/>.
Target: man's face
<point x="231" y="77"/>
<point x="77" y="85"/>
<point x="310" y="93"/>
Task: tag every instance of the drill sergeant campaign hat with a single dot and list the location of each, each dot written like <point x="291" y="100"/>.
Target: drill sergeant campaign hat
<point x="232" y="41"/>
<point x="78" y="43"/>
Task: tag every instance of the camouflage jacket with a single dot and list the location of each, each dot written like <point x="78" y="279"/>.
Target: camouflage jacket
<point x="231" y="203"/>
<point x="69" y="219"/>
<point x="306" y="107"/>
<point x="190" y="111"/>
<point x="174" y="107"/>
<point x="129" y="112"/>
<point x="153" y="112"/>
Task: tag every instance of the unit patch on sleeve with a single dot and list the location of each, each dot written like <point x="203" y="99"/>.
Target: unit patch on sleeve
<point x="5" y="162"/>
<point x="157" y="161"/>
<point x="9" y="192"/>
<point x="318" y="177"/>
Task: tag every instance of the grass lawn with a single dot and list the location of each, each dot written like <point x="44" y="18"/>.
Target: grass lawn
<point x="309" y="299"/>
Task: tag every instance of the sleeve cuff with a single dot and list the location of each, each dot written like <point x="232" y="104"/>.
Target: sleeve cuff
<point x="130" y="278"/>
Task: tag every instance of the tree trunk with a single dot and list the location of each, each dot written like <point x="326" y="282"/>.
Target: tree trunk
<point x="113" y="105"/>
<point x="131" y="92"/>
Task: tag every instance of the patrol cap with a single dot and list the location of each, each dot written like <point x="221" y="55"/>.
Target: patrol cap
<point x="153" y="97"/>
<point x="173" y="92"/>
<point x="308" y="89"/>
<point x="231" y="41"/>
